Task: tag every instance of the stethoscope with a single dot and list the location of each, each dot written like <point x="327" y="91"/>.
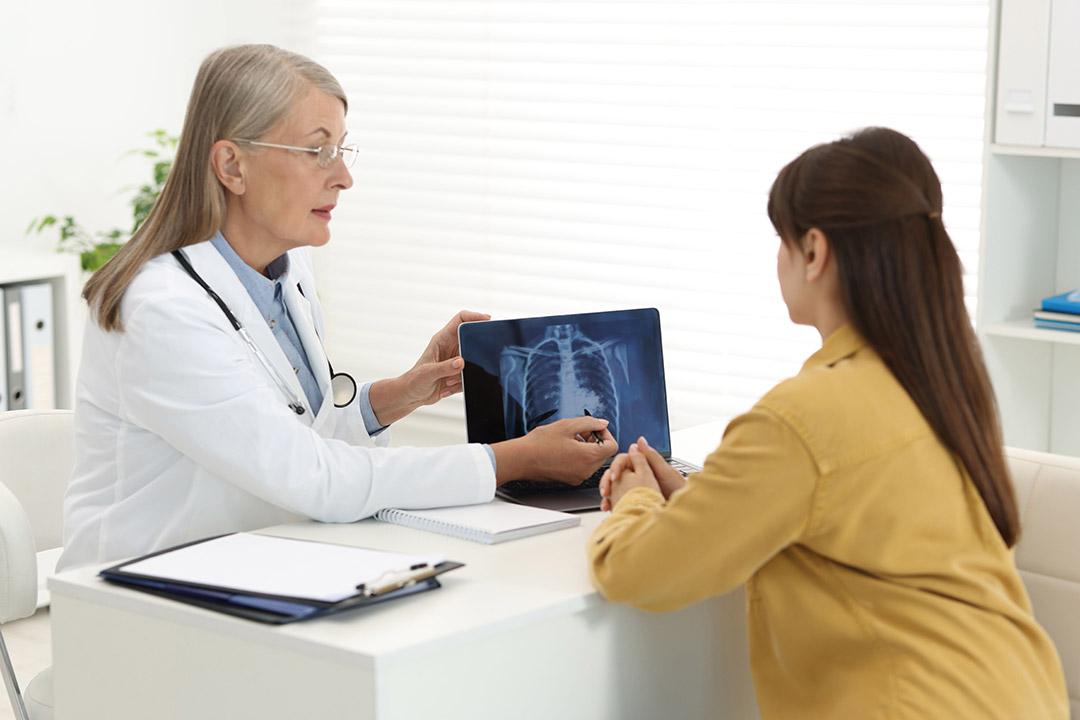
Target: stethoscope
<point x="342" y="385"/>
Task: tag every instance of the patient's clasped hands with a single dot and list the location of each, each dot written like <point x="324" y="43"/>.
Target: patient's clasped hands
<point x="642" y="466"/>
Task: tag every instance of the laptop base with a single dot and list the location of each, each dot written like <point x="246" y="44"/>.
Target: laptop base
<point x="572" y="501"/>
<point x="567" y="498"/>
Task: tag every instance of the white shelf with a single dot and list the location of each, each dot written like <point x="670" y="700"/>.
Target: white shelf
<point x="24" y="266"/>
<point x="66" y="277"/>
<point x="1032" y="151"/>
<point x="1024" y="330"/>
<point x="1030" y="235"/>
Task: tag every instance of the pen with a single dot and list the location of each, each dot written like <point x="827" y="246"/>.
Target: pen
<point x="599" y="440"/>
<point x="397" y="580"/>
<point x="542" y="417"/>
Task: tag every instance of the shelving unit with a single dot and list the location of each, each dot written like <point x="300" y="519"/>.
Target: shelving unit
<point x="65" y="275"/>
<point x="1030" y="249"/>
<point x="1024" y="330"/>
<point x="1026" y="151"/>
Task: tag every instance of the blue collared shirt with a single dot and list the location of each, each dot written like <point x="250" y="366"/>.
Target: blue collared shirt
<point x="268" y="294"/>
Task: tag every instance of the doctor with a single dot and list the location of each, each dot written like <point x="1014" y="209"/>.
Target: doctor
<point x="205" y="403"/>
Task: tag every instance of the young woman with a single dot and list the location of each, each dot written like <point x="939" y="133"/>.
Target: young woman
<point x="205" y="403"/>
<point x="865" y="502"/>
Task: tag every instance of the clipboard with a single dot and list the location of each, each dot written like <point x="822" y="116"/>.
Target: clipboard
<point x="270" y="608"/>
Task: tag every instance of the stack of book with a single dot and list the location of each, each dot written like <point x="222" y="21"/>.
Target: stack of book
<point x="1060" y="312"/>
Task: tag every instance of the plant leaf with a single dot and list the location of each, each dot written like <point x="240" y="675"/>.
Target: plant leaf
<point x="39" y="224"/>
<point x="161" y="171"/>
<point x="98" y="255"/>
<point x="96" y="249"/>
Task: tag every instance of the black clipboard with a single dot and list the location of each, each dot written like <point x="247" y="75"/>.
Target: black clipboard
<point x="260" y="607"/>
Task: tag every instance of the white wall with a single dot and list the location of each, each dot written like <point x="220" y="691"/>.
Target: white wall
<point x="80" y="85"/>
<point x="532" y="158"/>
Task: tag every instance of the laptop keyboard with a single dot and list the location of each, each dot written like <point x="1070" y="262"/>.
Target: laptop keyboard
<point x="593" y="481"/>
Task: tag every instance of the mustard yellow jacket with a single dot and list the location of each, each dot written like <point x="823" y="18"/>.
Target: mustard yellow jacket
<point x="877" y="584"/>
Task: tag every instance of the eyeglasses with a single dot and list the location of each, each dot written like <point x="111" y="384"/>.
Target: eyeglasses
<point x="325" y="155"/>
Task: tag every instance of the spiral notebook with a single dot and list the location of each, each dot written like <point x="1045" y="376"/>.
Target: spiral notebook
<point x="490" y="523"/>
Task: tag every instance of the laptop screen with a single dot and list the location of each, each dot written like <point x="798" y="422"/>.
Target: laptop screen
<point x="523" y="373"/>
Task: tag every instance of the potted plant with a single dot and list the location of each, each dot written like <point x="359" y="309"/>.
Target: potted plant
<point x="95" y="249"/>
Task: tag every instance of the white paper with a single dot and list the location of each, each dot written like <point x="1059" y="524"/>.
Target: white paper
<point x="246" y="562"/>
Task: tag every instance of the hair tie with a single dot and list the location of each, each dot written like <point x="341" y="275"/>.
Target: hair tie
<point x="935" y="215"/>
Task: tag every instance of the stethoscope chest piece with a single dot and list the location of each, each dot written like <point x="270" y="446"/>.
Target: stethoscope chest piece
<point x="343" y="389"/>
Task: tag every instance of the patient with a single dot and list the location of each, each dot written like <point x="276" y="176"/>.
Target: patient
<point x="865" y="502"/>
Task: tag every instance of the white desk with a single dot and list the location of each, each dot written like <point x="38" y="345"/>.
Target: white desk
<point x="518" y="633"/>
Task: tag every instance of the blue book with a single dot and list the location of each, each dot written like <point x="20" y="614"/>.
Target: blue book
<point x="1064" y="303"/>
<point x="1056" y="325"/>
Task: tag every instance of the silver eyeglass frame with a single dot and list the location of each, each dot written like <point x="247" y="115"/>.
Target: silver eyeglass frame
<point x="325" y="154"/>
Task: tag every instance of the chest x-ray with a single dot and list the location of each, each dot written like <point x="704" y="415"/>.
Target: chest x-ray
<point x="521" y="374"/>
<point x="565" y="373"/>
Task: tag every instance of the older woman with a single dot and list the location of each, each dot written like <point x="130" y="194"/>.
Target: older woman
<point x="205" y="402"/>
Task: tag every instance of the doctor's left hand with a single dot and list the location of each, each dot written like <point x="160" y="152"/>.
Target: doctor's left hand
<point x="436" y="375"/>
<point x="444" y="344"/>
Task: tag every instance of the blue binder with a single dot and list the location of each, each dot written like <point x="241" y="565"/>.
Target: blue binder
<point x="1064" y="303"/>
<point x="273" y="609"/>
<point x="38" y="343"/>
<point x="1057" y="325"/>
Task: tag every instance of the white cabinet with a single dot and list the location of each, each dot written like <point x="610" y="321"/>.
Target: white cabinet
<point x="1063" y="83"/>
<point x="1037" y="83"/>
<point x="65" y="278"/>
<point x="1023" y="66"/>
<point x="1031" y="249"/>
<point x="1030" y="245"/>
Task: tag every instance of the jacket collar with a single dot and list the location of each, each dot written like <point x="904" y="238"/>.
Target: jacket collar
<point x="213" y="268"/>
<point x="261" y="288"/>
<point x="304" y="321"/>
<point x="844" y="342"/>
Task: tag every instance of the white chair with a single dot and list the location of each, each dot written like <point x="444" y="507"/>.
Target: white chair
<point x="37" y="451"/>
<point x="1048" y="554"/>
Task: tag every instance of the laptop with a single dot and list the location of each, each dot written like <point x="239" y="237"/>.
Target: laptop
<point x="523" y="373"/>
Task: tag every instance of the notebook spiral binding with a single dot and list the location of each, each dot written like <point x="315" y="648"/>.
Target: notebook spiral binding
<point x="407" y="519"/>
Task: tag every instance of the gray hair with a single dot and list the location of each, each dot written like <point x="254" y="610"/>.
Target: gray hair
<point x="239" y="92"/>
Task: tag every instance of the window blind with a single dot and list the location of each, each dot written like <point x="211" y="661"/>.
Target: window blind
<point x="530" y="158"/>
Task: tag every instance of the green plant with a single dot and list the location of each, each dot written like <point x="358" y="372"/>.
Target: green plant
<point x="95" y="249"/>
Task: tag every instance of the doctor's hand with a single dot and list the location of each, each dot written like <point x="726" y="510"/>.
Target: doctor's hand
<point x="642" y="466"/>
<point x="564" y="450"/>
<point x="436" y="375"/>
<point x="444" y="344"/>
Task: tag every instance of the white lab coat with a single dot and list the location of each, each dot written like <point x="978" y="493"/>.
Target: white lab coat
<point x="180" y="433"/>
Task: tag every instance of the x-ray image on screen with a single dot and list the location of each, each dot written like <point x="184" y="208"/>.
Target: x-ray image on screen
<point x="521" y="374"/>
<point x="564" y="373"/>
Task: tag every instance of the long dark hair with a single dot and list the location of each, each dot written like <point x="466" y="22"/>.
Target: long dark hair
<point x="877" y="199"/>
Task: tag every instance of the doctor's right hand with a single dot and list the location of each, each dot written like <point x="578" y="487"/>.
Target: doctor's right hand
<point x="564" y="450"/>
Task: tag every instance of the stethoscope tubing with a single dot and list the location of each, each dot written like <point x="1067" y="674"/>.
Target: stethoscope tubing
<point x="348" y="386"/>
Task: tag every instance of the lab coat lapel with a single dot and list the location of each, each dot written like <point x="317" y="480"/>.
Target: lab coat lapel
<point x="304" y="321"/>
<point x="208" y="262"/>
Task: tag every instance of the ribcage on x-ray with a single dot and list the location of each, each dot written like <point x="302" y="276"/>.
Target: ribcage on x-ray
<point x="564" y="375"/>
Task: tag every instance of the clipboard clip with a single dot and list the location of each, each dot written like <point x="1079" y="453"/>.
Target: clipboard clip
<point x="397" y="579"/>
